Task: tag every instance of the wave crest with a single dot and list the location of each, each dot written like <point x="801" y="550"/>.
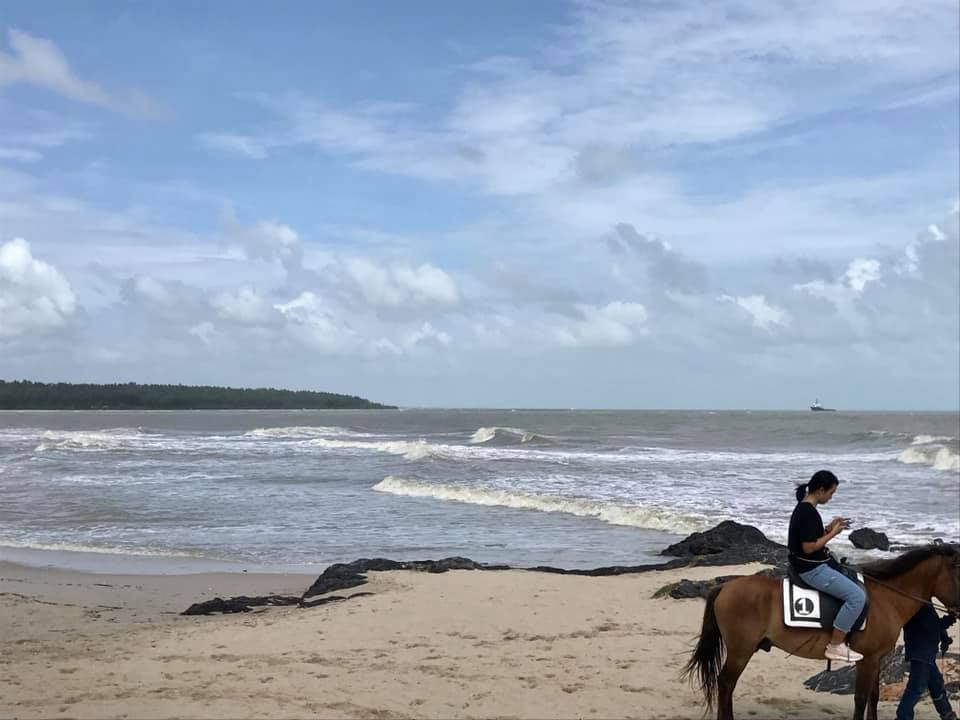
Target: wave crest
<point x="613" y="513"/>
<point x="939" y="458"/>
<point x="505" y="435"/>
<point x="410" y="449"/>
<point x="94" y="440"/>
<point x="297" y="432"/>
<point x="930" y="439"/>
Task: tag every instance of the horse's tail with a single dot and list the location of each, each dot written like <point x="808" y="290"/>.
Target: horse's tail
<point x="704" y="664"/>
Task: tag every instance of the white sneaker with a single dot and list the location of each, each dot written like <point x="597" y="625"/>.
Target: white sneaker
<point x="843" y="653"/>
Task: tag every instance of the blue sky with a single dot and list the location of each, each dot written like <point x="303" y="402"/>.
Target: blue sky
<point x="500" y="204"/>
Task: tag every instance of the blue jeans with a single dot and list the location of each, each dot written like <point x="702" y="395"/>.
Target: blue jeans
<point x="924" y="677"/>
<point x="832" y="582"/>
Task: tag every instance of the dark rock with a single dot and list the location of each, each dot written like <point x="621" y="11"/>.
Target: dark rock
<point x="867" y="539"/>
<point x="340" y="576"/>
<point x="241" y="603"/>
<point x="686" y="589"/>
<point x="330" y="599"/>
<point x="843" y="680"/>
<point x="729" y="543"/>
<point x="611" y="570"/>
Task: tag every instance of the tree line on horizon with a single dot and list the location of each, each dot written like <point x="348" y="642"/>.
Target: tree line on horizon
<point x="29" y="395"/>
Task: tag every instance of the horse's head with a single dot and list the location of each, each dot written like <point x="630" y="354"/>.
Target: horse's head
<point x="947" y="586"/>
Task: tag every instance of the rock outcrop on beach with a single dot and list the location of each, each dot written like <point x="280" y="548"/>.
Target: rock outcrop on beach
<point x="688" y="589"/>
<point x="842" y="681"/>
<point x="346" y="575"/>
<point x="729" y="543"/>
<point x="867" y="539"/>
<point x="338" y="576"/>
<point x="893" y="667"/>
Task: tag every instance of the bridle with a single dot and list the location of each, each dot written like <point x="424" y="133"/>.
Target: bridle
<point x="935" y="605"/>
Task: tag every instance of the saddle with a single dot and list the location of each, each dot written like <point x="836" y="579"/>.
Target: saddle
<point x="807" y="607"/>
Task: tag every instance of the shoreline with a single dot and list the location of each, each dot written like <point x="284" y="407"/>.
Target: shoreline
<point x="459" y="644"/>
<point x="112" y="563"/>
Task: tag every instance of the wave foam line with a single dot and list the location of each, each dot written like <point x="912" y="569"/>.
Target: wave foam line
<point x="297" y="431"/>
<point x="410" y="449"/>
<point x="95" y="549"/>
<point x="613" y="513"/>
<point x="930" y="439"/>
<point x="87" y="439"/>
<point x="486" y="434"/>
<point x="939" y="458"/>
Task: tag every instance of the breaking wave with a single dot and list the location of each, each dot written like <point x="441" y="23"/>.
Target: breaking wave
<point x="297" y="432"/>
<point x="410" y="449"/>
<point x="87" y="440"/>
<point x="609" y="512"/>
<point x="930" y="439"/>
<point x="505" y="435"/>
<point x="939" y="458"/>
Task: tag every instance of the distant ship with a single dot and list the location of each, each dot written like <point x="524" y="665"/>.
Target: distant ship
<point x="817" y="407"/>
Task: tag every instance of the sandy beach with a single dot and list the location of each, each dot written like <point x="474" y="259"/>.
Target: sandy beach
<point x="460" y="644"/>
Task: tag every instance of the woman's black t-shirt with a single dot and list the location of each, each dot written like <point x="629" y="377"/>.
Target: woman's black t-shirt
<point x="806" y="525"/>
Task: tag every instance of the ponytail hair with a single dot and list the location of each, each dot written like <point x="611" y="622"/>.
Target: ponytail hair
<point x="822" y="479"/>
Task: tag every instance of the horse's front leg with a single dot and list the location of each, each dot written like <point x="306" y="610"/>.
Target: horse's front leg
<point x="867" y="685"/>
<point x="874" y="696"/>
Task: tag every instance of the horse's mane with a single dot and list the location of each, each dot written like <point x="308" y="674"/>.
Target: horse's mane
<point x="894" y="567"/>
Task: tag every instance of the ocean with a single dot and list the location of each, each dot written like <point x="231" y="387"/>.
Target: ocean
<point x="298" y="490"/>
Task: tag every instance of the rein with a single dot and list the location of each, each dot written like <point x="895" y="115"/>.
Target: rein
<point x="930" y="602"/>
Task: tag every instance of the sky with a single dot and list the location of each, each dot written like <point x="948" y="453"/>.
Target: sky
<point x="499" y="204"/>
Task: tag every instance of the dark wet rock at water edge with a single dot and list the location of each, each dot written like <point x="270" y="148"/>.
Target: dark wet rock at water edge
<point x="867" y="539"/>
<point x="729" y="543"/>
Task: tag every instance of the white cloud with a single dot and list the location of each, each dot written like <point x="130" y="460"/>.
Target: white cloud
<point x="238" y="144"/>
<point x="34" y="296"/>
<point x="244" y="305"/>
<point x="400" y="285"/>
<point x="635" y="77"/>
<point x="763" y="314"/>
<point x="426" y="334"/>
<point x="205" y="331"/>
<point x="859" y="274"/>
<point x="38" y="61"/>
<point x="19" y="154"/>
<point x="269" y="240"/>
<point x="617" y="323"/>
<point x="315" y="324"/>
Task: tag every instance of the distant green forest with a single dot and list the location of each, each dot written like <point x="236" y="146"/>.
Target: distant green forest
<point x="26" y="395"/>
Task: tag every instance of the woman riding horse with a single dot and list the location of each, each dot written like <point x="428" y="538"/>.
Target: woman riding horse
<point x="807" y="542"/>
<point x="745" y="614"/>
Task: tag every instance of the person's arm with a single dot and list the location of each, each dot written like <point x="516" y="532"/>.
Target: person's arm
<point x="835" y="527"/>
<point x="945" y="639"/>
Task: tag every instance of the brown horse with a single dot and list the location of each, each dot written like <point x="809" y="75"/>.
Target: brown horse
<point x="746" y="613"/>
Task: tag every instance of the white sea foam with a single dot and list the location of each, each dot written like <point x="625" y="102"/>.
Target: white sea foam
<point x="92" y="440"/>
<point x="930" y="439"/>
<point x="298" y="432"/>
<point x="939" y="458"/>
<point x="610" y="512"/>
<point x="410" y="449"/>
<point x="486" y="434"/>
<point x="97" y="549"/>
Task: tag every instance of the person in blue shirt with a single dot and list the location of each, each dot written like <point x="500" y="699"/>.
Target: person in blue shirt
<point x="921" y="636"/>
